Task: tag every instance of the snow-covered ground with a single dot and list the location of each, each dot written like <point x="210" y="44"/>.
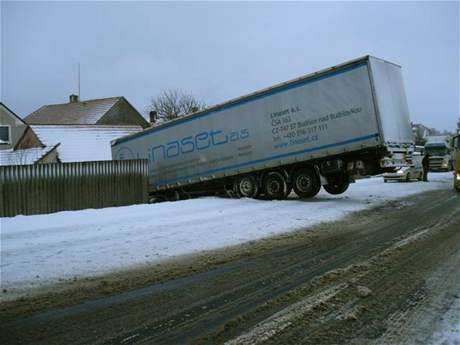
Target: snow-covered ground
<point x="41" y="249"/>
<point x="448" y="330"/>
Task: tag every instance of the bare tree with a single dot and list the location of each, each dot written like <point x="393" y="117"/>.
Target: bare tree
<point x="174" y="103"/>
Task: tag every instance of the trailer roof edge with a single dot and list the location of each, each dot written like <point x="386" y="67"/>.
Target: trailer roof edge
<point x="261" y="92"/>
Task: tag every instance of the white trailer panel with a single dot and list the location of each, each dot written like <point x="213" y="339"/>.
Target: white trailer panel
<point x="391" y="102"/>
<point x="319" y="115"/>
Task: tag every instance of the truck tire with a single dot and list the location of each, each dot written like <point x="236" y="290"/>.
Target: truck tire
<point x="306" y="183"/>
<point x="275" y="186"/>
<point x="173" y="195"/>
<point x="337" y="188"/>
<point x="246" y="186"/>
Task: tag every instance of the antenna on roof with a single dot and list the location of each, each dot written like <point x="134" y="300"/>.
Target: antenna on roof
<point x="79" y="81"/>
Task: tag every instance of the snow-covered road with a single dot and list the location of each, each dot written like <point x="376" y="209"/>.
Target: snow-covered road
<point x="37" y="250"/>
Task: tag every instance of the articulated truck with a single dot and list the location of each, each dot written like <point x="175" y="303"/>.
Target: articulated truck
<point x="327" y="129"/>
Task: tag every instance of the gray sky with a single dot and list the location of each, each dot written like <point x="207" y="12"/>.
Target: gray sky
<point x="222" y="50"/>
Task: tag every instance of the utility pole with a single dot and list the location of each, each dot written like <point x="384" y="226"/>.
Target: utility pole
<point x="79" y="98"/>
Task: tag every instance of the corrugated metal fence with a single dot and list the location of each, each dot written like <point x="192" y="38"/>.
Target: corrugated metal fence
<point x="46" y="188"/>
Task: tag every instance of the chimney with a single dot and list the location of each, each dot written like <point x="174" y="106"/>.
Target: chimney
<point x="153" y="117"/>
<point x="73" y="98"/>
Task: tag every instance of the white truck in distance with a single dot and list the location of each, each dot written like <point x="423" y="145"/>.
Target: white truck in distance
<point x="439" y="150"/>
<point x="324" y="129"/>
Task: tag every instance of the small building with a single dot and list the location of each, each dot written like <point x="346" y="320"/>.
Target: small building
<point x="71" y="132"/>
<point x="104" y="111"/>
<point x="34" y="155"/>
<point x="19" y="145"/>
<point x="83" y="130"/>
<point x="78" y="143"/>
<point x="15" y="133"/>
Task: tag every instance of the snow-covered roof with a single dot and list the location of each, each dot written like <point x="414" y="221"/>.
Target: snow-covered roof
<point x="84" y="112"/>
<point x="23" y="157"/>
<point x="82" y="142"/>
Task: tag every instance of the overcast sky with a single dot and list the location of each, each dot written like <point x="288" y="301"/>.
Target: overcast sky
<point x="222" y="50"/>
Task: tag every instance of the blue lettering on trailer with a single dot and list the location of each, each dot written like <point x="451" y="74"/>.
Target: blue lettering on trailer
<point x="200" y="141"/>
<point x="269" y="158"/>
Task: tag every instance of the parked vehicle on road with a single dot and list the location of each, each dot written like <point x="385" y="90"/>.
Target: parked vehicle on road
<point x="407" y="173"/>
<point x="327" y="129"/>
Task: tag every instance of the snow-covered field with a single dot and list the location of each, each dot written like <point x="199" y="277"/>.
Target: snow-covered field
<point x="42" y="249"/>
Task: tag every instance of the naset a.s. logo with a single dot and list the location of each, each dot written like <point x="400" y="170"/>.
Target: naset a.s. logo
<point x="192" y="143"/>
<point x="124" y="153"/>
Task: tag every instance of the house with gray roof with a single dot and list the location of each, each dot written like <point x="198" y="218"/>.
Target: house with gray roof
<point x="15" y="133"/>
<point x="72" y="132"/>
<point x="104" y="111"/>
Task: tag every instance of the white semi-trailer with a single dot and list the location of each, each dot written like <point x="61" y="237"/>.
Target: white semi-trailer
<point x="327" y="128"/>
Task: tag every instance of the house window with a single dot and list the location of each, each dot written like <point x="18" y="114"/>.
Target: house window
<point x="5" y="134"/>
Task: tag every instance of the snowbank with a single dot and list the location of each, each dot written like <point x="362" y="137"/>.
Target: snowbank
<point x="44" y="248"/>
<point x="448" y="328"/>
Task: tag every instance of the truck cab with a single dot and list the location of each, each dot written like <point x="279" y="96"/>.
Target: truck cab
<point x="440" y="155"/>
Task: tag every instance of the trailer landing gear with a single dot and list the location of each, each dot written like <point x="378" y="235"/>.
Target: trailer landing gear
<point x="337" y="184"/>
<point x="336" y="188"/>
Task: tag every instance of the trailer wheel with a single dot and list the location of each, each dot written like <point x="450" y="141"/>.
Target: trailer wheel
<point x="246" y="186"/>
<point x="157" y="198"/>
<point x="275" y="186"/>
<point x="306" y="183"/>
<point x="337" y="188"/>
<point x="172" y="195"/>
